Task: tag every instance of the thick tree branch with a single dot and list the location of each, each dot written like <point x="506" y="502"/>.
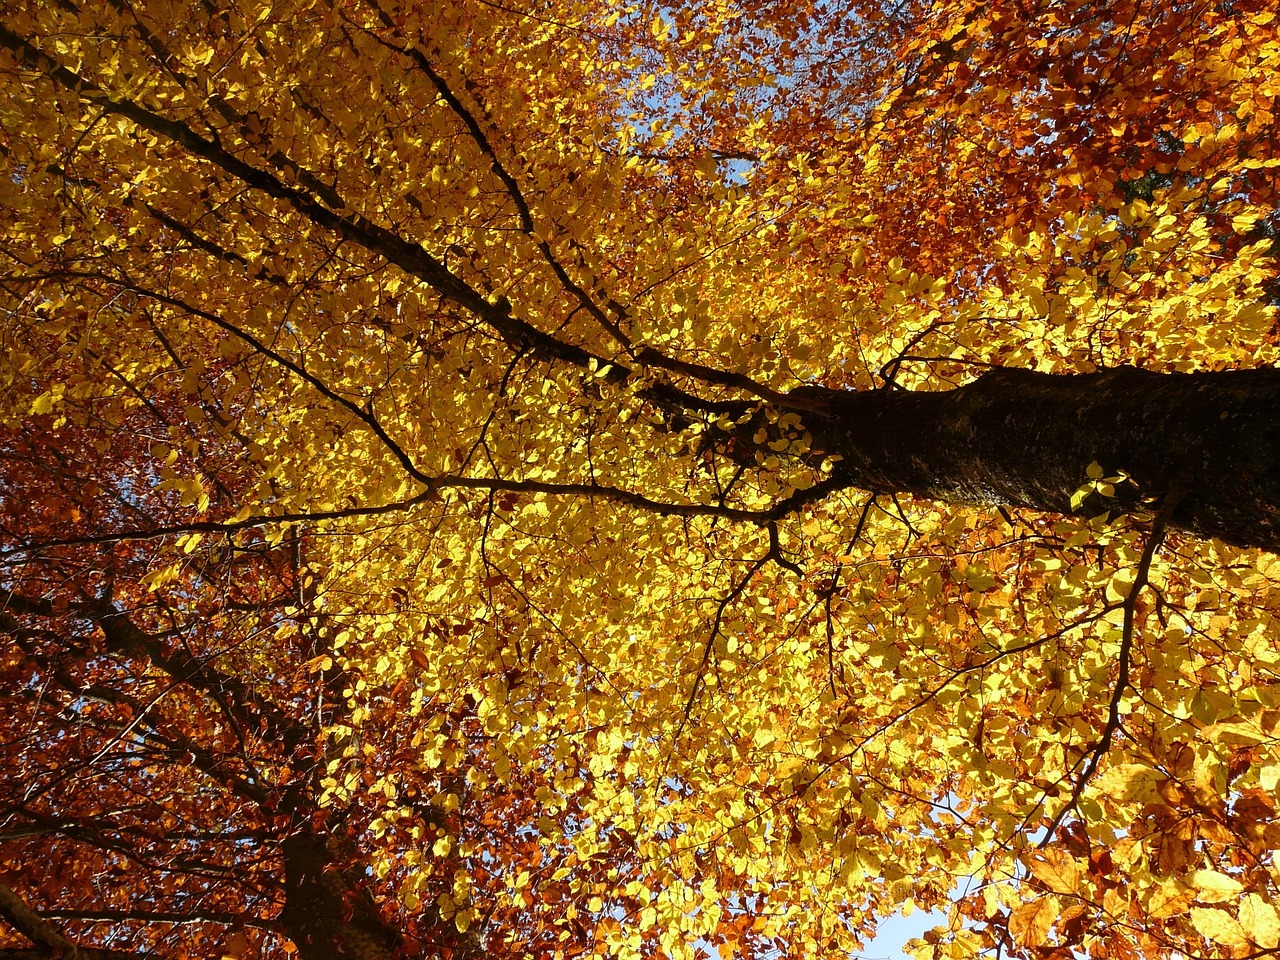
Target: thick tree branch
<point x="31" y="925"/>
<point x="1026" y="439"/>
<point x="50" y="943"/>
<point x="243" y="706"/>
<point x="326" y="911"/>
<point x="409" y="257"/>
<point x="169" y="742"/>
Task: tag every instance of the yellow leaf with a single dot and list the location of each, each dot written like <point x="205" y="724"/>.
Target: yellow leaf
<point x="1214" y="887"/>
<point x="1057" y="870"/>
<point x="1269" y="776"/>
<point x="1031" y="922"/>
<point x="1244" y="222"/>
<point x="1260" y="921"/>
<point x="1129" y="781"/>
<point x="1170" y="898"/>
<point x="1218" y="926"/>
<point x="1119" y="586"/>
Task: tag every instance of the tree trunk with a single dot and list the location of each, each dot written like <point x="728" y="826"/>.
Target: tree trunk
<point x="1026" y="439"/>
<point x="329" y="916"/>
<point x="323" y="914"/>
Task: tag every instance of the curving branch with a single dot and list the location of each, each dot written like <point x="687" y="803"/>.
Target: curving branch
<point x="1159" y="528"/>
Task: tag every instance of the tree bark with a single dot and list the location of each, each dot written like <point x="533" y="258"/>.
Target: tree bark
<point x="324" y="915"/>
<point x="329" y="916"/>
<point x="1026" y="439"/>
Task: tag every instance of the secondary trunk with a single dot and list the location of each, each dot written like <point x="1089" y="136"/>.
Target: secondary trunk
<point x="1026" y="439"/>
<point x="325" y="915"/>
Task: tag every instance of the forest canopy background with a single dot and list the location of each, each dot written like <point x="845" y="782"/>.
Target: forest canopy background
<point x="569" y="479"/>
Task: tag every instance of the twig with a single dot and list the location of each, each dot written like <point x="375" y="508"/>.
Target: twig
<point x="1158" y="529"/>
<point x="709" y="647"/>
<point x="830" y="591"/>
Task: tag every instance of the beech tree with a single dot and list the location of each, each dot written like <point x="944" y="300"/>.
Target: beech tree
<point x="570" y="479"/>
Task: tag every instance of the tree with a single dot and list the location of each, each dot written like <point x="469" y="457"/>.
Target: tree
<point x="578" y="480"/>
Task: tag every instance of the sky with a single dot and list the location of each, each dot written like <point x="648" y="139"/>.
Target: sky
<point x="896" y="931"/>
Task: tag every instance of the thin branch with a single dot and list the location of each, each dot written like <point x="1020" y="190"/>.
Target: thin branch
<point x="796" y="400"/>
<point x="218" y="526"/>
<point x="176" y="917"/>
<point x="362" y="413"/>
<point x="830" y="591"/>
<point x="1158" y="529"/>
<point x="783" y="508"/>
<point x="709" y="646"/>
<point x="481" y="140"/>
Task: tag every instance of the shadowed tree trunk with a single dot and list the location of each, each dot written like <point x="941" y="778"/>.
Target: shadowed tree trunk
<point x="327" y="911"/>
<point x="329" y="916"/>
<point x="1026" y="439"/>
<point x="324" y="916"/>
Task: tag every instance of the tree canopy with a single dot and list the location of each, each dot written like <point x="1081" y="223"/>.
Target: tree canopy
<point x="677" y="479"/>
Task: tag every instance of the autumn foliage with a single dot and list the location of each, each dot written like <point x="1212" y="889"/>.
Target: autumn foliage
<point x="425" y="529"/>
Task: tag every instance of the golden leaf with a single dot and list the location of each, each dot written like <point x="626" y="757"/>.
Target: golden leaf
<point x="1218" y="926"/>
<point x="1031" y="922"/>
<point x="1214" y="887"/>
<point x="1260" y="921"/>
<point x="1057" y="870"/>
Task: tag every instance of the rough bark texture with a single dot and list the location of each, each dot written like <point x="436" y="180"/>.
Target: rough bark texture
<point x="325" y="916"/>
<point x="1026" y="439"/>
<point x="329" y="916"/>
